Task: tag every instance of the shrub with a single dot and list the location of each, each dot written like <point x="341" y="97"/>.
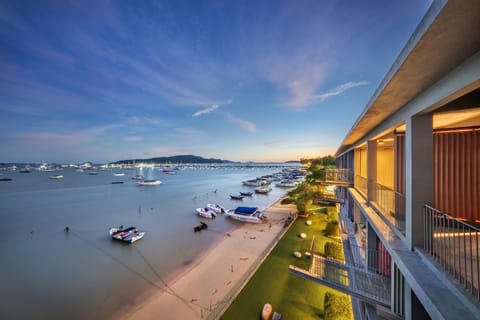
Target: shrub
<point x="333" y="250"/>
<point x="331" y="230"/>
<point x="336" y="307"/>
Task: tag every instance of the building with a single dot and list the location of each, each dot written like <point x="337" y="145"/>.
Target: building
<point x="408" y="180"/>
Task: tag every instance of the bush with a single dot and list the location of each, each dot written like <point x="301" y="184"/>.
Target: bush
<point x="333" y="250"/>
<point x="287" y="200"/>
<point x="332" y="230"/>
<point x="336" y="307"/>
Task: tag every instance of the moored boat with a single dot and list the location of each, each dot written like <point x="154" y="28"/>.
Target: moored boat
<point x="149" y="182"/>
<point x="236" y="197"/>
<point x="215" y="207"/>
<point x="246" y="214"/>
<point x="206" y="213"/>
<point x="128" y="235"/>
<point x="246" y="194"/>
<point x="57" y="176"/>
<point x="263" y="190"/>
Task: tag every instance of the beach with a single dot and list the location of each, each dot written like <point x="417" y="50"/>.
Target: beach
<point x="203" y="289"/>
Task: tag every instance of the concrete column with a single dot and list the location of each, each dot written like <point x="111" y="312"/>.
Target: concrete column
<point x="419" y="175"/>
<point x="371" y="169"/>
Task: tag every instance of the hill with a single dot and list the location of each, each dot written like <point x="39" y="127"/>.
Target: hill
<point x="174" y="159"/>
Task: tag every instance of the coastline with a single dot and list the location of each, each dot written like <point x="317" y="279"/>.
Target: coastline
<point x="206" y="285"/>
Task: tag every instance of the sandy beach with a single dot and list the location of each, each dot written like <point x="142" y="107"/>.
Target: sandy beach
<point x="205" y="288"/>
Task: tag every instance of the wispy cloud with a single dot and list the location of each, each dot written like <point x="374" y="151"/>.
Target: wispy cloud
<point x="133" y="138"/>
<point x="242" y="123"/>
<point x="206" y="110"/>
<point x="337" y="91"/>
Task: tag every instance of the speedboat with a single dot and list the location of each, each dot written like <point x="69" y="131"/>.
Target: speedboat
<point x="246" y="214"/>
<point x="128" y="235"/>
<point x="149" y="182"/>
<point x="206" y="213"/>
<point x="58" y="176"/>
<point x="263" y="190"/>
<point x="138" y="177"/>
<point x="246" y="194"/>
<point x="119" y="174"/>
<point x="215" y="207"/>
<point x="236" y="197"/>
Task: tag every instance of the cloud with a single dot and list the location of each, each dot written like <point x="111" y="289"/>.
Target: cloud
<point x="245" y="124"/>
<point x="337" y="91"/>
<point x="206" y="110"/>
<point x="133" y="138"/>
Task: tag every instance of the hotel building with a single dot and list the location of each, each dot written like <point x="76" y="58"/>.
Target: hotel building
<point x="408" y="181"/>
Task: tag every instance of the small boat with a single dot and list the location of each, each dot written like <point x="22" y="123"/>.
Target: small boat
<point x="117" y="182"/>
<point x="149" y="182"/>
<point x="246" y="214"/>
<point x="206" y="213"/>
<point x="263" y="190"/>
<point x="246" y="194"/>
<point x="255" y="182"/>
<point x="57" y="176"/>
<point x="168" y="171"/>
<point x="119" y="174"/>
<point x="129" y="235"/>
<point x="138" y="177"/>
<point x="24" y="170"/>
<point x="93" y="173"/>
<point x="286" y="184"/>
<point x="236" y="197"/>
<point x="5" y="179"/>
<point x="215" y="207"/>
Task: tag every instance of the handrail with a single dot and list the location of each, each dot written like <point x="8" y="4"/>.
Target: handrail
<point x="454" y="244"/>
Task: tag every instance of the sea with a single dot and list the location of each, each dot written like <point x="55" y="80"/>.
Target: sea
<point x="48" y="273"/>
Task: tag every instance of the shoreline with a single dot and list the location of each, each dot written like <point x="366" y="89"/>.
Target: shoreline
<point x="213" y="278"/>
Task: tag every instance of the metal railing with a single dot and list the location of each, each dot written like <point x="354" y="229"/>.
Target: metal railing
<point x="392" y="204"/>
<point x="455" y="246"/>
<point x="341" y="176"/>
<point x="361" y="184"/>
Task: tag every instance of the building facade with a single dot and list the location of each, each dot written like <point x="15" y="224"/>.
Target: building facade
<point x="408" y="180"/>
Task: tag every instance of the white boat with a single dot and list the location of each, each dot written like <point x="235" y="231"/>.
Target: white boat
<point x="263" y="190"/>
<point x="215" y="207"/>
<point x="246" y="214"/>
<point x="206" y="213"/>
<point x="286" y="184"/>
<point x="129" y="235"/>
<point x="149" y="182"/>
<point x="119" y="174"/>
<point x="57" y="176"/>
<point x="138" y="177"/>
<point x="255" y="182"/>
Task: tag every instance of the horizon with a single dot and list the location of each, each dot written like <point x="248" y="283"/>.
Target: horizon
<point x="247" y="81"/>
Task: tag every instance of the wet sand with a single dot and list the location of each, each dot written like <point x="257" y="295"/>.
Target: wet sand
<point x="204" y="288"/>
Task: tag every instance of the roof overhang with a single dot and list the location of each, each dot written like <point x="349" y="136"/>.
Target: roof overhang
<point x="448" y="34"/>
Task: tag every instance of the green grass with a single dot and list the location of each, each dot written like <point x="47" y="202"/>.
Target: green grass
<point x="292" y="296"/>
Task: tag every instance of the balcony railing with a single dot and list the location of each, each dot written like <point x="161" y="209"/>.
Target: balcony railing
<point x="455" y="246"/>
<point x="340" y="177"/>
<point x="361" y="184"/>
<point x="392" y="204"/>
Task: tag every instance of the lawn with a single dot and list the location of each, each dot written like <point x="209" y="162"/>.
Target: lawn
<point x="290" y="295"/>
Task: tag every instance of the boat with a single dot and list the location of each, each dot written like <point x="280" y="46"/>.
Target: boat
<point x="138" y="177"/>
<point x="263" y="190"/>
<point x="149" y="182"/>
<point x="117" y="182"/>
<point x="24" y="170"/>
<point x="200" y="227"/>
<point x="119" y="174"/>
<point x="255" y="182"/>
<point x="215" y="207"/>
<point x="93" y="173"/>
<point x="6" y="179"/>
<point x="129" y="235"/>
<point x="57" y="176"/>
<point x="246" y="214"/>
<point x="236" y="197"/>
<point x="246" y="194"/>
<point x="206" y="213"/>
<point x="286" y="184"/>
<point x="168" y="171"/>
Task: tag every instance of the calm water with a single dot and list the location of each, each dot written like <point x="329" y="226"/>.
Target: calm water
<point x="46" y="273"/>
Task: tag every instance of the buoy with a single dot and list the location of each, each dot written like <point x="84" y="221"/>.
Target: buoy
<point x="303" y="235"/>
<point x="297" y="254"/>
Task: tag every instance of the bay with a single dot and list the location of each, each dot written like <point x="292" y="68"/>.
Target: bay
<point x="47" y="273"/>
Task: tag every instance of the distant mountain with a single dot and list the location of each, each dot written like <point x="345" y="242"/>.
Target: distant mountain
<point x="174" y="159"/>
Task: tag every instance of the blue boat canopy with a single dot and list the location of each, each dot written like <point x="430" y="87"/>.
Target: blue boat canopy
<point x="245" y="210"/>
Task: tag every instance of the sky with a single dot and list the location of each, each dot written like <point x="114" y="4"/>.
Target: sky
<point x="238" y="80"/>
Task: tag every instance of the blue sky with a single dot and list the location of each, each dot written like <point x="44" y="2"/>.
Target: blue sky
<point x="238" y="80"/>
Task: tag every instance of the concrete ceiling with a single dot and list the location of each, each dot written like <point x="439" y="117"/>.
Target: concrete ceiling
<point x="448" y="35"/>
